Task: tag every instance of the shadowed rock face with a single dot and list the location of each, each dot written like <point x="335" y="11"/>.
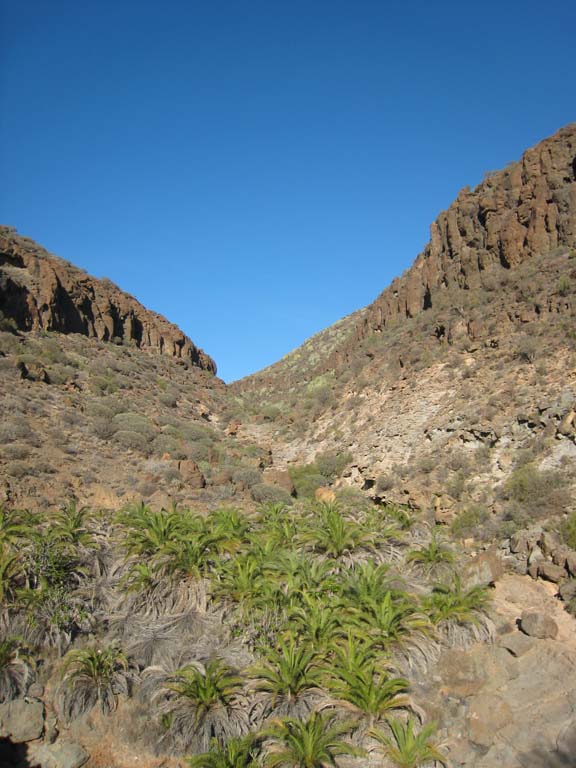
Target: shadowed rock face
<point x="529" y="208"/>
<point x="41" y="291"/>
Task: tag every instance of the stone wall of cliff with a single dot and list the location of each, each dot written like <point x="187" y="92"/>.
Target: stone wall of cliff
<point x="41" y="291"/>
<point x="524" y="210"/>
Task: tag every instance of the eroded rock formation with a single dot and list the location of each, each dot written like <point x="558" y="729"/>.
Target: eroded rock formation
<point x="524" y="210"/>
<point x="41" y="291"/>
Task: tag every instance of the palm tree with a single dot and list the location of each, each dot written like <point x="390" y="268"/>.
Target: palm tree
<point x="236" y="753"/>
<point x="333" y="535"/>
<point x="453" y="602"/>
<point x="70" y="527"/>
<point x="146" y="533"/>
<point x="433" y="558"/>
<point x="393" y="622"/>
<point x="289" y="681"/>
<point x="14" y="525"/>
<point x="316" y="622"/>
<point x="408" y="748"/>
<point x="200" y="703"/>
<point x="314" y="743"/>
<point x="11" y="574"/>
<point x="367" y="583"/>
<point x="367" y="688"/>
<point x="457" y="613"/>
<point x="229" y="528"/>
<point x="15" y="669"/>
<point x="93" y="675"/>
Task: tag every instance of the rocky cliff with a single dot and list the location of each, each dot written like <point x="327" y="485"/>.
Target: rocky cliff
<point x="525" y="210"/>
<point x="40" y="291"/>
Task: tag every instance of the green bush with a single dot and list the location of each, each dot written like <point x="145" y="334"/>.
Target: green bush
<point x="134" y="441"/>
<point x="264" y="493"/>
<point x="246" y="476"/>
<point x="539" y="492"/>
<point x="468" y="522"/>
<point x="331" y="464"/>
<point x="568" y="530"/>
<point x="134" y="422"/>
<point x="307" y="479"/>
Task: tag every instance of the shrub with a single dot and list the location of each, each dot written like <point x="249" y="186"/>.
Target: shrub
<point x="264" y="493"/>
<point x="539" y="492"/>
<point x="568" y="530"/>
<point x="385" y="482"/>
<point x="331" y="464"/>
<point x="306" y="479"/>
<point x="134" y="441"/>
<point x="247" y="477"/>
<point x="468" y="521"/>
<point x="134" y="422"/>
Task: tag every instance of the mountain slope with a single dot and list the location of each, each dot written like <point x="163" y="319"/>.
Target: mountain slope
<point x="464" y="365"/>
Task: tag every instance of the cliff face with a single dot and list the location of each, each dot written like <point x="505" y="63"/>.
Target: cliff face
<point x="521" y="214"/>
<point x="527" y="209"/>
<point x="40" y="291"/>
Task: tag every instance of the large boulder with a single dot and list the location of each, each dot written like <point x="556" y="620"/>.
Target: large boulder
<point x="66" y="754"/>
<point x="551" y="572"/>
<point x="191" y="474"/>
<point x="484" y="570"/>
<point x="540" y="625"/>
<point x="21" y="720"/>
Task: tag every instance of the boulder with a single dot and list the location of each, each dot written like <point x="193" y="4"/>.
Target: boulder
<point x="517" y="643"/>
<point x="570" y="563"/>
<point x="280" y="478"/>
<point x="21" y="720"/>
<point x="191" y="474"/>
<point x="551" y="572"/>
<point x="484" y="570"/>
<point x="549" y="542"/>
<point x="522" y="542"/>
<point x="535" y="555"/>
<point x="66" y="754"/>
<point x="540" y="625"/>
<point x="567" y="590"/>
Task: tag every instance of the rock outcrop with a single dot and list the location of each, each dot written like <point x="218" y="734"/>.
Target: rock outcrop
<point x="40" y="291"/>
<point x="526" y="209"/>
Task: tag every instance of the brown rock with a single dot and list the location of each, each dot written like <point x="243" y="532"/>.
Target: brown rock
<point x="551" y="572"/>
<point x="280" y="478"/>
<point x="549" y="542"/>
<point x="517" y="643"/>
<point x="566" y="426"/>
<point x="488" y="713"/>
<point x="41" y="291"/>
<point x="522" y="542"/>
<point x="571" y="562"/>
<point x="537" y="624"/>
<point x="21" y="720"/>
<point x="484" y="570"/>
<point x="191" y="474"/>
<point x="567" y="590"/>
<point x="462" y="674"/>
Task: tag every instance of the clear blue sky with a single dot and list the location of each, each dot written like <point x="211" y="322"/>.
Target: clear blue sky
<point x="256" y="170"/>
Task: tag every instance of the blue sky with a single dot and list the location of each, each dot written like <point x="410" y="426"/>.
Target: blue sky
<point x="257" y="170"/>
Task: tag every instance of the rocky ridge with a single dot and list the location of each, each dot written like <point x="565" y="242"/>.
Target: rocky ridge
<point x="39" y="291"/>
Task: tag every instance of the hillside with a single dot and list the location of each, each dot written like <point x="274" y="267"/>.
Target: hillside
<point x="102" y="400"/>
<point x="463" y="368"/>
<point x="174" y="593"/>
